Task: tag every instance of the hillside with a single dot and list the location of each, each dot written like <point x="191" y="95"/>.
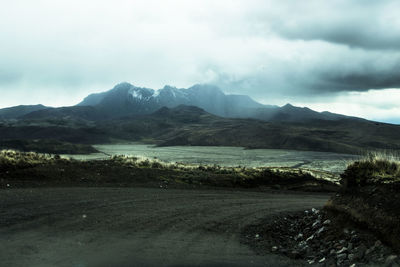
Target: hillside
<point x="185" y="125"/>
<point x="189" y="125"/>
<point x="18" y="111"/>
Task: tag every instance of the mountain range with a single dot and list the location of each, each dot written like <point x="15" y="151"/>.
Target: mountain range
<point x="199" y="115"/>
<point x="127" y="100"/>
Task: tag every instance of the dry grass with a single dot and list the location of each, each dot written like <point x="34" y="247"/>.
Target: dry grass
<point x="11" y="159"/>
<point x="374" y="168"/>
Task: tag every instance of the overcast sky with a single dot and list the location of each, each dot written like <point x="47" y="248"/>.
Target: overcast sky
<point x="342" y="56"/>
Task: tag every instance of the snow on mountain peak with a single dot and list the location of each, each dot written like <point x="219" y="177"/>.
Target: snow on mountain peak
<point x="156" y="93"/>
<point x="136" y="93"/>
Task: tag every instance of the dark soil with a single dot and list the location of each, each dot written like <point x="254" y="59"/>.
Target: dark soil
<point x="103" y="227"/>
<point x="375" y="207"/>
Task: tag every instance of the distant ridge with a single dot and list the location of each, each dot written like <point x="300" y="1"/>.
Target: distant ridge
<point x="18" y="111"/>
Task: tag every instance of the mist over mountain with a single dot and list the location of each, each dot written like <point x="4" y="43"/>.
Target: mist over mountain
<point x="126" y="100"/>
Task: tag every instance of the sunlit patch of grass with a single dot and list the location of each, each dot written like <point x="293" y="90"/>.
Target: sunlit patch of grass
<point x="373" y="168"/>
<point x="14" y="159"/>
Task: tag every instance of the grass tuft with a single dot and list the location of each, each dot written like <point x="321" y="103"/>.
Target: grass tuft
<point x="374" y="168"/>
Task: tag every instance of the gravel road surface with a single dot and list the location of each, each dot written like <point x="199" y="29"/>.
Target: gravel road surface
<point x="137" y="226"/>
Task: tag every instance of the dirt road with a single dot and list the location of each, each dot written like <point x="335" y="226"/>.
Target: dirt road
<point x="137" y="226"/>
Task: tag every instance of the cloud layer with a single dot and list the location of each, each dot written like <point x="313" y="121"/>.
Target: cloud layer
<point x="57" y="52"/>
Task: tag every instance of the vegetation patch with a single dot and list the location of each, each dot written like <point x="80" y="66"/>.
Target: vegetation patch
<point x="373" y="169"/>
<point x="31" y="169"/>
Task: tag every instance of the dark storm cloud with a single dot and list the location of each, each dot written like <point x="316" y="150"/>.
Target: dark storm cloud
<point x="358" y="81"/>
<point x="362" y="24"/>
<point x="318" y="69"/>
<point x="359" y="36"/>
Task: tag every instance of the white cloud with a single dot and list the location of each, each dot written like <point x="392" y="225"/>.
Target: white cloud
<point x="379" y="105"/>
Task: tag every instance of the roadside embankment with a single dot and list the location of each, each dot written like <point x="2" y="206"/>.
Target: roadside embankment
<point x="371" y="198"/>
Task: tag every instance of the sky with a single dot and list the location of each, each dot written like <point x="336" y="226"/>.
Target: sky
<point x="340" y="55"/>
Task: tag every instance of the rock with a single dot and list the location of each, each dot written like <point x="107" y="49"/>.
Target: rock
<point x="330" y="263"/>
<point x="311" y="261"/>
<point x="341" y="257"/>
<point x="378" y="244"/>
<point x="315" y="211"/>
<point x="302" y="245"/>
<point x="310" y="238"/>
<point x="322" y="260"/>
<point x="274" y="249"/>
<point x="344" y="249"/>
<point x="351" y="257"/>
<point x="350" y="246"/>
<point x="360" y="252"/>
<point x="320" y="230"/>
<point x="294" y="254"/>
<point x="337" y="246"/>
<point x="330" y="238"/>
<point x="316" y="224"/>
<point x="327" y="222"/>
<point x="355" y="239"/>
<point x="369" y="251"/>
<point x="391" y="261"/>
<point x="299" y="236"/>
<point x="353" y="265"/>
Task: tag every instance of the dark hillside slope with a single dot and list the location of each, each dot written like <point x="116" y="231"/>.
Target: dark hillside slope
<point x="72" y="113"/>
<point x="18" y="111"/>
<point x="193" y="126"/>
<point x="190" y="125"/>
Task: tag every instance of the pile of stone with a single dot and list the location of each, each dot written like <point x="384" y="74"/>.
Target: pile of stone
<point x="315" y="238"/>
